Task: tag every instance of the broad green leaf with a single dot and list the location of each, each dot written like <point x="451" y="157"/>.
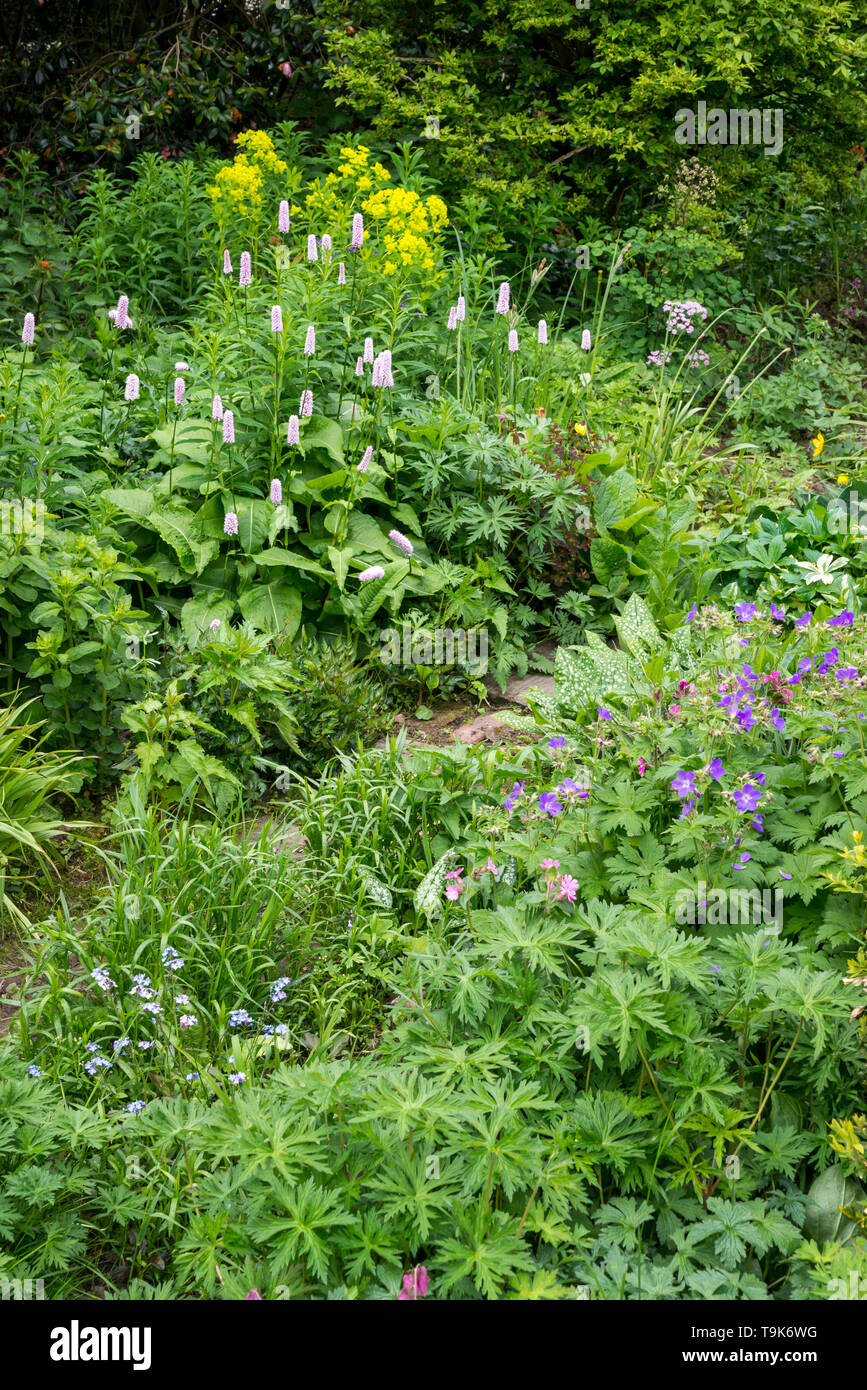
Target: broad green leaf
<point x="272" y="607"/>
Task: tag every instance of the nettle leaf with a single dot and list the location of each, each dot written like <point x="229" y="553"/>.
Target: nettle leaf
<point x="273" y="608"/>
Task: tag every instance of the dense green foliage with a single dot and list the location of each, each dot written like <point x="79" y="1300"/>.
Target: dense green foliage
<point x="365" y="417"/>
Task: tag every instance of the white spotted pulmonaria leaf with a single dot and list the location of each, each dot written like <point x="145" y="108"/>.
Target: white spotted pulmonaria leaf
<point x="376" y="890"/>
<point x="428" y="896"/>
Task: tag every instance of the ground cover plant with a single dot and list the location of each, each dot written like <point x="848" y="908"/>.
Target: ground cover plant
<point x="300" y="435"/>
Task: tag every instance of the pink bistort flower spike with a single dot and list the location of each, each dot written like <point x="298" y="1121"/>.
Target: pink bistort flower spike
<point x="341" y="274"/>
<point x="513" y="340"/>
<point x="228" y="427"/>
<point x="368" y="353"/>
<point x="217" y="408"/>
<point x="227" y="263"/>
<point x="245" y="274"/>
<point x="230" y="523"/>
<point x="276" y="493"/>
<point x="28" y="332"/>
<point x="453" y="319"/>
<point x="585" y="340"/>
<point x="283" y="218"/>
<point x="276" y="319"/>
<point x="542" y="333"/>
<point x="312" y="253"/>
<point x="365" y="459"/>
<point x="131" y="387"/>
<point x="310" y="341"/>
<point x="121" y="313"/>
<point x="359" y="366"/>
<point x="503" y="298"/>
<point x="293" y="434"/>
<point x="373" y="572"/>
<point x="461" y="309"/>
<point x="406" y="546"/>
<point x="325" y="242"/>
<point x="306" y="407"/>
<point x="180" y="388"/>
<point x="357" y="231"/>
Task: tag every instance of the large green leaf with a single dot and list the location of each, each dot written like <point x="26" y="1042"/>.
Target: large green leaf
<point x="200" y="611"/>
<point x="192" y="439"/>
<point x="136" y="502"/>
<point x="615" y="498"/>
<point x="179" y="527"/>
<point x="367" y="537"/>
<point x="340" y="563"/>
<point x="321" y="433"/>
<point x="272" y="607"/>
<point x="610" y="561"/>
<point x="254" y="520"/>
<point x="288" y="559"/>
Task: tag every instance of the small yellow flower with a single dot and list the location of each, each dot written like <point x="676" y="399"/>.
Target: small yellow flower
<point x="818" y="444"/>
<point x="842" y="479"/>
<point x="580" y="429"/>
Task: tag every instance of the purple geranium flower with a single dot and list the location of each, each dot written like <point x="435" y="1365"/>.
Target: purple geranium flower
<point x="548" y="802"/>
<point x="716" y="770"/>
<point x="745" y="612"/>
<point x="844" y="619"/>
<point x="683" y="783"/>
<point x="748" y="798"/>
